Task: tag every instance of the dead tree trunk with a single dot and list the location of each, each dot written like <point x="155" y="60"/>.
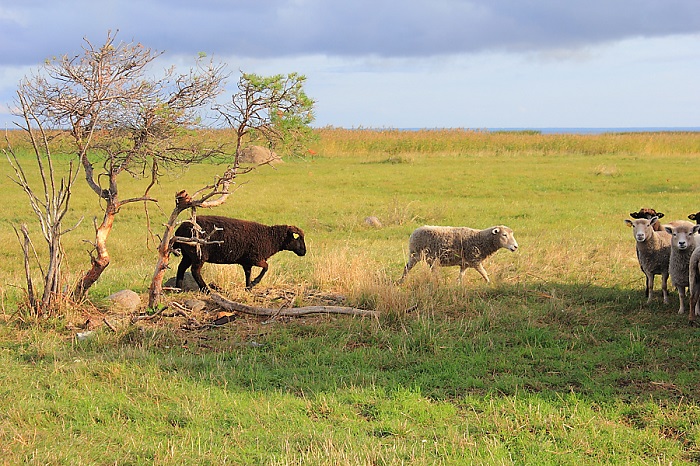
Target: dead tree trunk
<point x="99" y="259"/>
<point x="99" y="256"/>
<point x="26" y="248"/>
<point x="182" y="202"/>
<point x="293" y="312"/>
<point x="49" y="206"/>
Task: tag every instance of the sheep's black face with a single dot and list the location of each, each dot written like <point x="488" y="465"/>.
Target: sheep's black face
<point x="646" y="213"/>
<point x="295" y="241"/>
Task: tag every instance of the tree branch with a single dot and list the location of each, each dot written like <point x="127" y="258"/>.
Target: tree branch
<point x="293" y="312"/>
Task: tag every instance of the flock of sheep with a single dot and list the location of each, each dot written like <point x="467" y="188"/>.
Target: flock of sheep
<point x="669" y="250"/>
<point x="222" y="240"/>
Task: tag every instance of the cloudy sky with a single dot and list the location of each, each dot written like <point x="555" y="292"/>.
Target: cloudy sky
<point x="407" y="63"/>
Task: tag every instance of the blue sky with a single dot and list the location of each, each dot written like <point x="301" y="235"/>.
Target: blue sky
<point x="407" y="63"/>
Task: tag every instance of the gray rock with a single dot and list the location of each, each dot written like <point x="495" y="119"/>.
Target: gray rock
<point x="258" y="154"/>
<point x="188" y="283"/>
<point x="125" y="300"/>
<point x="373" y="222"/>
<point x="195" y="304"/>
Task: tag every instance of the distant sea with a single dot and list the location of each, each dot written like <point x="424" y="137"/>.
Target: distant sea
<point x="650" y="129"/>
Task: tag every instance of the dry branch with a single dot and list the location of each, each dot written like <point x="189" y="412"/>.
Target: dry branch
<point x="293" y="312"/>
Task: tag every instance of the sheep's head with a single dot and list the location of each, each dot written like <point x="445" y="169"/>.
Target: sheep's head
<point x="505" y="237"/>
<point x="641" y="228"/>
<point x="294" y="241"/>
<point x="683" y="235"/>
<point x="646" y="213"/>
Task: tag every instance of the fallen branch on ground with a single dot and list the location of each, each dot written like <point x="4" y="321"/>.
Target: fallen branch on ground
<point x="291" y="312"/>
<point x="179" y="312"/>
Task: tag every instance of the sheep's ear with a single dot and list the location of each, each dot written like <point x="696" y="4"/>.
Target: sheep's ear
<point x="496" y="230"/>
<point x="692" y="216"/>
<point x="295" y="235"/>
<point x="696" y="228"/>
<point x="653" y="219"/>
<point x="629" y="222"/>
<point x="669" y="230"/>
<point x="634" y="214"/>
<point x="660" y="214"/>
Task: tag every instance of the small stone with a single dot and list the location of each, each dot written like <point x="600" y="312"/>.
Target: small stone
<point x="126" y="300"/>
<point x="195" y="305"/>
<point x="188" y="283"/>
<point x="373" y="222"/>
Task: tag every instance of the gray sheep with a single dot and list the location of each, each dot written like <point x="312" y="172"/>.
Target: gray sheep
<point x="653" y="252"/>
<point x="233" y="241"/>
<point x="694" y="282"/>
<point x="462" y="246"/>
<point x="682" y="246"/>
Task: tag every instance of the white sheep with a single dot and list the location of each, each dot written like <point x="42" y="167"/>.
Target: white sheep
<point x="462" y="246"/>
<point x="653" y="252"/>
<point x="682" y="246"/>
<point x="694" y="282"/>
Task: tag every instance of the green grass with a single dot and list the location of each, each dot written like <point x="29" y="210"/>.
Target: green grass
<point x="559" y="361"/>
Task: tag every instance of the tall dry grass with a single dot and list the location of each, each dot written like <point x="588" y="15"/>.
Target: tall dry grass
<point x="379" y="142"/>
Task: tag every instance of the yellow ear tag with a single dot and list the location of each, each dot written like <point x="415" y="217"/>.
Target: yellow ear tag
<point x="295" y="235"/>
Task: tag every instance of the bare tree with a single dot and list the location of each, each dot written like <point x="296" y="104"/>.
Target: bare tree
<point x="121" y="120"/>
<point x="50" y="206"/>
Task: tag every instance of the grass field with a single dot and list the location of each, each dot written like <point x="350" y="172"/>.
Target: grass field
<point x="558" y="361"/>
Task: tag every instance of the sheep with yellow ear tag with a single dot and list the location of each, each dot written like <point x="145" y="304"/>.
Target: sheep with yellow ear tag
<point x="222" y="240"/>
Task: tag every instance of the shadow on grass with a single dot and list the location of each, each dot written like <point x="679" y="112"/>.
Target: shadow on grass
<point x="554" y="339"/>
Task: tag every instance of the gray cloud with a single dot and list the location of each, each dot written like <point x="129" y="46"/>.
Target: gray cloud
<point x="31" y="31"/>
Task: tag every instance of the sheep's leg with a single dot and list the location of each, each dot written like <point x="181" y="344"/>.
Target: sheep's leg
<point x="264" y="266"/>
<point x="412" y="260"/>
<point x="650" y="286"/>
<point x="664" y="286"/>
<point x="647" y="290"/>
<point x="462" y="269"/>
<point x="246" y="270"/>
<point x="693" y="304"/>
<point x="694" y="292"/>
<point x="197" y="275"/>
<point x="185" y="263"/>
<point x="681" y="297"/>
<point x="480" y="268"/>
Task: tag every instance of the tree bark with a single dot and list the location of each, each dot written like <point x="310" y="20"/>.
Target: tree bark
<point x="100" y="261"/>
<point x="182" y="202"/>
<point x="26" y="245"/>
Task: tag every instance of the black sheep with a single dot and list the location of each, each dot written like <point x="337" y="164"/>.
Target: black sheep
<point x="239" y="242"/>
<point x="648" y="214"/>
